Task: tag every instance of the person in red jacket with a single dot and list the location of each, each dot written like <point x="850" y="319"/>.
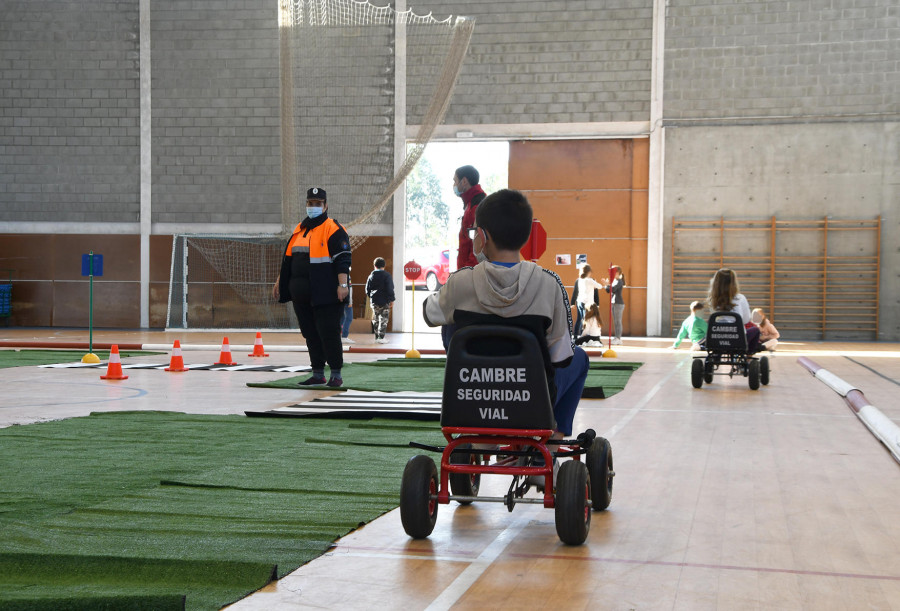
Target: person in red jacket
<point x="465" y="186"/>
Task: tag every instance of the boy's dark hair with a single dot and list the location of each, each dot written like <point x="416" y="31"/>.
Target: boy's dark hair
<point x="379" y="263"/>
<point x="506" y="216"/>
<point x="469" y="173"/>
<point x="697" y="305"/>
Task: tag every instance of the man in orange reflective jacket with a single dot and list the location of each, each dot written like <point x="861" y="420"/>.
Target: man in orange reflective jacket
<point x="315" y="278"/>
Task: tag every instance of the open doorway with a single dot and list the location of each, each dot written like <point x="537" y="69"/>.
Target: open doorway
<point x="434" y="213"/>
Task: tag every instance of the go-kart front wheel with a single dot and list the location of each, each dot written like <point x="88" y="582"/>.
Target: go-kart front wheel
<point x="418" y="497"/>
<point x="697" y="373"/>
<point x="599" y="462"/>
<point x="764" y="370"/>
<point x="573" y="491"/>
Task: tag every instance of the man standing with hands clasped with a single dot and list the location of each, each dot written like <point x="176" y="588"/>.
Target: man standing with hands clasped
<point x="315" y="278"/>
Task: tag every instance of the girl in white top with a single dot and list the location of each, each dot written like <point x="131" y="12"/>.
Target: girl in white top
<point x="584" y="291"/>
<point x="592" y="333"/>
<point x="725" y="296"/>
<point x="586" y="286"/>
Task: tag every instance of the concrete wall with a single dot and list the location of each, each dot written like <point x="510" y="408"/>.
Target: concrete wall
<point x="789" y="109"/>
<point x="69" y="104"/>
<point x="216" y="135"/>
<point x="797" y="171"/>
<point x="551" y="61"/>
<point x="782" y="58"/>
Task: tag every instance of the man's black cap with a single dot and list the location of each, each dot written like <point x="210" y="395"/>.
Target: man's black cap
<point x="316" y="193"/>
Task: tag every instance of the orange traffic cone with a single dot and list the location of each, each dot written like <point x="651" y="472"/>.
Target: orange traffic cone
<point x="177" y="362"/>
<point x="258" y="346"/>
<point x="114" y="369"/>
<point x="225" y="355"/>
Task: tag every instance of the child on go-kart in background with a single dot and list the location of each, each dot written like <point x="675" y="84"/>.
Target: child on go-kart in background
<point x="725" y="296"/>
<point x="502" y="285"/>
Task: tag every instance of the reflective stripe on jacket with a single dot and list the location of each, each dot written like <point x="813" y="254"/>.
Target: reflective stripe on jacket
<point x="319" y="249"/>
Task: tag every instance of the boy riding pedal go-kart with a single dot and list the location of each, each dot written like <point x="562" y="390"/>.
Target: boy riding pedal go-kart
<point x="512" y="385"/>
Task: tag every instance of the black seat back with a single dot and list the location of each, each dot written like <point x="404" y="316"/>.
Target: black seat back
<point x="495" y="379"/>
<point x="725" y="333"/>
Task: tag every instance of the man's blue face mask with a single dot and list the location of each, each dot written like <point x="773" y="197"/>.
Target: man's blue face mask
<point x="314" y="211"/>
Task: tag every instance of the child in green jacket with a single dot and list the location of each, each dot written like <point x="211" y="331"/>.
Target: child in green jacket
<point x="694" y="326"/>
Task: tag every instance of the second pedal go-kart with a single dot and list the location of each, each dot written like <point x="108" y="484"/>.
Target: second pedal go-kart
<point x="497" y="418"/>
<point x="726" y="349"/>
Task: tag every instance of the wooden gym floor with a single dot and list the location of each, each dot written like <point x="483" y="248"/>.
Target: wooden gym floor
<point x="724" y="498"/>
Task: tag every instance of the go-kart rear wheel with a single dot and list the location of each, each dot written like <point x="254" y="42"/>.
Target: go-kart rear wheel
<point x="599" y="462"/>
<point x="753" y="374"/>
<point x="463" y="484"/>
<point x="697" y="373"/>
<point x="573" y="491"/>
<point x="764" y="370"/>
<point x="708" y="368"/>
<point x="418" y="492"/>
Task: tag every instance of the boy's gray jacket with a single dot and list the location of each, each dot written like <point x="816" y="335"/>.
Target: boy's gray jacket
<point x="523" y="289"/>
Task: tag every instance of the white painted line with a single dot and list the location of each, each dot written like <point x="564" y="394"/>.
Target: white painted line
<point x="641" y="404"/>
<point x="395" y="556"/>
<point x="474" y="571"/>
<point x="312" y="409"/>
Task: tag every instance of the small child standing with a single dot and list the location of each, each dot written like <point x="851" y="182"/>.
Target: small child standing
<point x="380" y="289"/>
<point x="768" y="334"/>
<point x="591" y="331"/>
<point x="694" y="326"/>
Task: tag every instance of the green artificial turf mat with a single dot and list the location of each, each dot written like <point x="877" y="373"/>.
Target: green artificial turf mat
<point x="26" y="357"/>
<point x="427" y="375"/>
<point x="136" y="509"/>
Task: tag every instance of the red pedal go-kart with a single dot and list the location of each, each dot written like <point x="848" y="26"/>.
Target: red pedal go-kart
<point x="497" y="417"/>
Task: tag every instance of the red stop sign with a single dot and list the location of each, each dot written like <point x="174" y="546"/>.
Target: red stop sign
<point x="412" y="270"/>
<point x="537" y="242"/>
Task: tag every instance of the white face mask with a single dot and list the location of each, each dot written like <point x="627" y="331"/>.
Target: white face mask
<point x="314" y="211"/>
<point x="479" y="256"/>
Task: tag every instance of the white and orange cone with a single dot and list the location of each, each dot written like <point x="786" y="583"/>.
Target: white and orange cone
<point x="177" y="362"/>
<point x="114" y="369"/>
<point x="258" y="349"/>
<point x="225" y="355"/>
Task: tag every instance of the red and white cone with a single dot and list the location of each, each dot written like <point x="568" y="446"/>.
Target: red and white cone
<point x="225" y="355"/>
<point x="114" y="369"/>
<point x="177" y="362"/>
<point x="258" y="349"/>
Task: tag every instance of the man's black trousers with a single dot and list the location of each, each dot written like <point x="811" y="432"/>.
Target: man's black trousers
<point x="321" y="326"/>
